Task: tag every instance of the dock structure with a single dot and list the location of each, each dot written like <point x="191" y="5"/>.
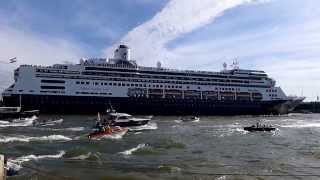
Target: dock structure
<point x="312" y="107"/>
<point x="2" y="170"/>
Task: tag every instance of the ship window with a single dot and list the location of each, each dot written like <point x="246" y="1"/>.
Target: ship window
<point x="82" y="82"/>
<point x="144" y="85"/>
<point x="140" y="85"/>
<point x="87" y="82"/>
<point x="119" y="84"/>
<point x="114" y="84"/>
<point x="187" y="87"/>
<point x="96" y="83"/>
<point x="161" y="86"/>
<point x="77" y="82"/>
<point x="110" y="84"/>
<point x="101" y="84"/>
<point x="52" y="87"/>
<point x="136" y="85"/>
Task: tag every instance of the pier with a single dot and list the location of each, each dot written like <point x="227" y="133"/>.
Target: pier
<point x="308" y="107"/>
<point x="2" y="171"/>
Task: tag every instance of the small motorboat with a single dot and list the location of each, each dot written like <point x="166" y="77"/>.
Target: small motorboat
<point x="126" y="120"/>
<point x="108" y="131"/>
<point x="190" y="119"/>
<point x="47" y="122"/>
<point x="259" y="127"/>
<point x="113" y="118"/>
<point x="16" y="112"/>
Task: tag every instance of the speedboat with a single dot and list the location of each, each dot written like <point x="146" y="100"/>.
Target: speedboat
<point x="259" y="128"/>
<point x="126" y="120"/>
<point x="108" y="131"/>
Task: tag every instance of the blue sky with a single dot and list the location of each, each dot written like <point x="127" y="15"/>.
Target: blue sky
<point x="281" y="37"/>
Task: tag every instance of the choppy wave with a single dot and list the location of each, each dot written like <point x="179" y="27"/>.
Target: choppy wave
<point x="16" y="164"/>
<point x="19" y="122"/>
<point x="5" y="139"/>
<point x="168" y="168"/>
<point x="130" y="151"/>
<point x="149" y="126"/>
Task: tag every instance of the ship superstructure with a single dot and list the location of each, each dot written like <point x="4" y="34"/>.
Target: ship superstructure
<point x="94" y="83"/>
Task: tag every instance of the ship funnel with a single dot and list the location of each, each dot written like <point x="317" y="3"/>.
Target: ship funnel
<point x="122" y="53"/>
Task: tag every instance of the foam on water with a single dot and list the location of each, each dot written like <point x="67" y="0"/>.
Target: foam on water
<point x="5" y="139"/>
<point x="302" y="125"/>
<point x="130" y="151"/>
<point x="75" y="129"/>
<point x="82" y="156"/>
<point x="149" y="126"/>
<point x="16" y="164"/>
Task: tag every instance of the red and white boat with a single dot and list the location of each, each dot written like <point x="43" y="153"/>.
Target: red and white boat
<point x="108" y="131"/>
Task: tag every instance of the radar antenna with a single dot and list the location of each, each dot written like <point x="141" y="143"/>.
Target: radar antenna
<point x="235" y="64"/>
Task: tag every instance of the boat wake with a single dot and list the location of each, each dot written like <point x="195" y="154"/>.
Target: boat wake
<point x="16" y="164"/>
<point x="5" y="139"/>
<point x="149" y="126"/>
<point x="132" y="150"/>
<point x="19" y="122"/>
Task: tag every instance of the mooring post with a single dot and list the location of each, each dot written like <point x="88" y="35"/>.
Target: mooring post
<point x="2" y="171"/>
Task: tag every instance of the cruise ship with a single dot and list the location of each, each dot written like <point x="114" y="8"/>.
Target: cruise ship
<point x="94" y="84"/>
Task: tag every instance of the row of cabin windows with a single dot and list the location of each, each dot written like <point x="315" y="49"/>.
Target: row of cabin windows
<point x="271" y="90"/>
<point x="152" y="81"/>
<point x="129" y="85"/>
<point x="101" y="93"/>
<point x="169" y="77"/>
<point x="273" y="95"/>
<point x="108" y="70"/>
<point x="154" y="86"/>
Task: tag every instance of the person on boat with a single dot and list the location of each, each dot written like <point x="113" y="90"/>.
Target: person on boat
<point x="109" y="129"/>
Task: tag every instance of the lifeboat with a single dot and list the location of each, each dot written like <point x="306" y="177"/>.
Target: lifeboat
<point x="108" y="131"/>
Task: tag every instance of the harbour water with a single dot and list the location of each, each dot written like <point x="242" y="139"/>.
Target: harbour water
<point x="214" y="148"/>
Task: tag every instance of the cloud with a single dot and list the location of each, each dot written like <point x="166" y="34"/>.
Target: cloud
<point x="32" y="49"/>
<point x="148" y="41"/>
<point x="282" y="38"/>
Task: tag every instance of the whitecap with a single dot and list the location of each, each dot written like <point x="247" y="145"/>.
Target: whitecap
<point x="130" y="151"/>
<point x="82" y="157"/>
<point x="75" y="129"/>
<point x="302" y="125"/>
<point x="5" y="139"/>
<point x="16" y="164"/>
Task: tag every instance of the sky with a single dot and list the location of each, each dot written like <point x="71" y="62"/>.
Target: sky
<point x="281" y="37"/>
